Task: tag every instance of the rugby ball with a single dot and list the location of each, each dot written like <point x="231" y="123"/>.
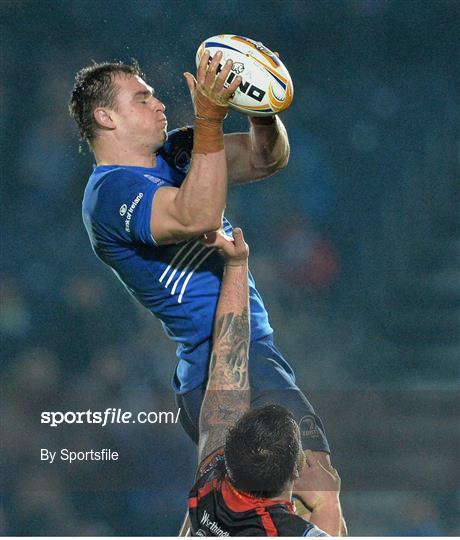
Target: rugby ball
<point x="266" y="87"/>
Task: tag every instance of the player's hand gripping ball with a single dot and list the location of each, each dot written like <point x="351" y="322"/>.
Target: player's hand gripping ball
<point x="266" y="87"/>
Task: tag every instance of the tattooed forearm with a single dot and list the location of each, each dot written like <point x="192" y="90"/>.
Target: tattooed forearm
<point x="227" y="395"/>
<point x="228" y="368"/>
<point x="220" y="411"/>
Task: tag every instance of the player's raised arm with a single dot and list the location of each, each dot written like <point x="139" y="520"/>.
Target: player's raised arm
<point x="227" y="394"/>
<point x="198" y="205"/>
<point x="259" y="153"/>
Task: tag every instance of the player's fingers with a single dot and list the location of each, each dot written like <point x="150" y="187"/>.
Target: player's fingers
<point x="217" y="239"/>
<point x="223" y="75"/>
<point x="328" y="471"/>
<point x="231" y="89"/>
<point x="335" y="472"/>
<point x="240" y="245"/>
<point x="238" y="239"/>
<point x="201" y="71"/>
<point x="212" y="69"/>
<point x="191" y="81"/>
<point x="309" y="458"/>
<point x="238" y="236"/>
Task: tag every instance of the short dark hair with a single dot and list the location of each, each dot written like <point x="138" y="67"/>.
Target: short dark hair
<point x="262" y="449"/>
<point x="94" y="87"/>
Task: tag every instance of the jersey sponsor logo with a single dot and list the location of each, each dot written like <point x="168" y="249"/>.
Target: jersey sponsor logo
<point x="212" y="525"/>
<point x="182" y="160"/>
<point x="123" y="209"/>
<point x="200" y="532"/>
<point x="154" y="179"/>
<point x="129" y="215"/>
<point x="308" y="427"/>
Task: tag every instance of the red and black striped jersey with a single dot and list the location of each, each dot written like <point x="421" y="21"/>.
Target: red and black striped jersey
<point x="217" y="508"/>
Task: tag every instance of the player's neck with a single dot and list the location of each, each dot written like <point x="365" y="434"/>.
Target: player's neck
<point x="108" y="155"/>
<point x="129" y="161"/>
<point x="284" y="496"/>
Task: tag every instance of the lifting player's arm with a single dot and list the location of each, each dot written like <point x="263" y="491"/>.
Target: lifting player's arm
<point x="259" y="153"/>
<point x="227" y="395"/>
<point x="198" y="205"/>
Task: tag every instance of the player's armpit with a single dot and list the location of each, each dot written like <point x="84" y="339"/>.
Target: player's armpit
<point x="169" y="224"/>
<point x="237" y="148"/>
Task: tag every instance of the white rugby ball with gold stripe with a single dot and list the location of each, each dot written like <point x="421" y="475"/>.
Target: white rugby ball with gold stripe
<point x="266" y="87"/>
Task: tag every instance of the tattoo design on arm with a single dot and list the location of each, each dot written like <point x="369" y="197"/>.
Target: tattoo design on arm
<point x="227" y="396"/>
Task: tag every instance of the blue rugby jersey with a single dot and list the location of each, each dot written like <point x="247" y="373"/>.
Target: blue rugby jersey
<point x="179" y="283"/>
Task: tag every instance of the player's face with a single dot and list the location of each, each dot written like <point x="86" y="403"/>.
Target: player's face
<point x="140" y="116"/>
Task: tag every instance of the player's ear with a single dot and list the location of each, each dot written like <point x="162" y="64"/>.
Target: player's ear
<point x="103" y="118"/>
<point x="299" y="465"/>
<point x="295" y="472"/>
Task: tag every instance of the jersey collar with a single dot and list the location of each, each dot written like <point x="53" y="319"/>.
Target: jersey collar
<point x="240" y="501"/>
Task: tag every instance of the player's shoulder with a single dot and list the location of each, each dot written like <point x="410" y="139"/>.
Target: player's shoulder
<point x="118" y="179"/>
<point x="177" y="150"/>
<point x="104" y="175"/>
<point x="113" y="190"/>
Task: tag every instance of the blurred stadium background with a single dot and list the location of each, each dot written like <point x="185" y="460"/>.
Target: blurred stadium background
<point x="366" y="309"/>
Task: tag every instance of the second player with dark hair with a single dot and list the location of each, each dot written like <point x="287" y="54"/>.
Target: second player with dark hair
<point x="250" y="459"/>
<point x="263" y="449"/>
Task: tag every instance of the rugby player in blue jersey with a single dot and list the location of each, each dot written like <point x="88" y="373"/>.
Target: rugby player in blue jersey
<point x="147" y="203"/>
<point x="249" y="459"/>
